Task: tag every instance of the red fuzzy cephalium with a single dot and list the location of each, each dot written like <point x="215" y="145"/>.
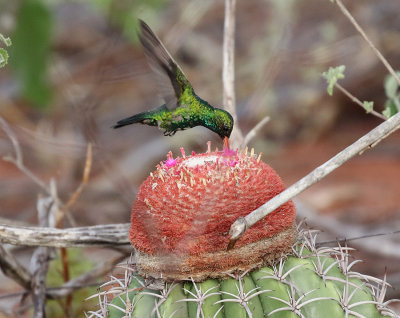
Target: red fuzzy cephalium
<point x="189" y="203"/>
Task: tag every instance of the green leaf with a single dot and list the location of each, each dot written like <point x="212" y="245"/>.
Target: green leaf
<point x="332" y="76"/>
<point x="368" y="106"/>
<point x="390" y="108"/>
<point x="3" y="52"/>
<point x="3" y="57"/>
<point x="387" y="112"/>
<point x="6" y="41"/>
<point x="391" y="86"/>
<point x="31" y="51"/>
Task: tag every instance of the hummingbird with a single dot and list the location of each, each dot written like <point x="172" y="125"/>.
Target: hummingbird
<point x="182" y="109"/>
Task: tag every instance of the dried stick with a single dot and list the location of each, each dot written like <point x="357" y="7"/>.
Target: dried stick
<point x="98" y="235"/>
<point x="40" y="259"/>
<point x="364" y="35"/>
<point x="364" y="143"/>
<point x="228" y="71"/>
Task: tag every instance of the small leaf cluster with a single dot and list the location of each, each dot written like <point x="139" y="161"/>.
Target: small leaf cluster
<point x="333" y="75"/>
<point x="3" y="52"/>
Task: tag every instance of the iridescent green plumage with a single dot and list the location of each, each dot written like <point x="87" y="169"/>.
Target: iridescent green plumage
<point x="183" y="108"/>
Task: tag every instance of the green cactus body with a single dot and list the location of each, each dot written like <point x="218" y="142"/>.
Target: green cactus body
<point x="305" y="284"/>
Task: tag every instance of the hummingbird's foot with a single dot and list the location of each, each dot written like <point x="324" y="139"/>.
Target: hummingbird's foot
<point x="169" y="133"/>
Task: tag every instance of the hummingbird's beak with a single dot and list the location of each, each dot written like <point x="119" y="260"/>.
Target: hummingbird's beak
<point x="226" y="143"/>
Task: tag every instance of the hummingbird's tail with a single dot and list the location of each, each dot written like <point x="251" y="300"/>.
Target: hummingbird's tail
<point x="141" y="118"/>
<point x="146" y="118"/>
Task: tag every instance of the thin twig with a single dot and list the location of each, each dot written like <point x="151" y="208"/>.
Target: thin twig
<point x="357" y="101"/>
<point x="366" y="142"/>
<point x="364" y="35"/>
<point x="228" y="71"/>
<point x="18" y="160"/>
<point x="85" y="178"/>
<point x="253" y="132"/>
<point x="74" y="197"/>
<point x="10" y="266"/>
<point x="372" y="242"/>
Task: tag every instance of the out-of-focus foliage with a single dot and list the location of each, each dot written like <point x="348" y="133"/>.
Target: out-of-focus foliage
<point x="78" y="265"/>
<point x="392" y="105"/>
<point x="31" y="51"/>
<point x="3" y="52"/>
<point x="124" y="14"/>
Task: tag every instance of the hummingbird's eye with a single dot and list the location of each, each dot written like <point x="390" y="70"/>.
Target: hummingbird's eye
<point x="226" y="127"/>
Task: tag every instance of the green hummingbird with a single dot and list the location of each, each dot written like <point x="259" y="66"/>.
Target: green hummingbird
<point x="183" y="108"/>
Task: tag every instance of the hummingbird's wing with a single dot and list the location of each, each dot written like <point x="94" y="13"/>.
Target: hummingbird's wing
<point x="172" y="82"/>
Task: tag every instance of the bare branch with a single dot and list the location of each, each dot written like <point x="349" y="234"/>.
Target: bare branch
<point x="253" y="132"/>
<point x="357" y="101"/>
<point x="41" y="257"/>
<point x="13" y="269"/>
<point x="18" y="159"/>
<point x="75" y="196"/>
<point x="228" y="72"/>
<point x="364" y="143"/>
<point x="98" y="235"/>
<point x="85" y="178"/>
<point x="364" y="35"/>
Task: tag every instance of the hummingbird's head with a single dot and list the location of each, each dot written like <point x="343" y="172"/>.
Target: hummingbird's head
<point x="223" y="123"/>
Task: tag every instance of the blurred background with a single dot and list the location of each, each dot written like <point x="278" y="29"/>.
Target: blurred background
<point x="76" y="68"/>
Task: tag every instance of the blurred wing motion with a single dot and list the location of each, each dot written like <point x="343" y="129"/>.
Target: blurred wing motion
<point x="171" y="80"/>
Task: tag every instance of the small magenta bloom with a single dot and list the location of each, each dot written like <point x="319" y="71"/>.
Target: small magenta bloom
<point x="170" y="162"/>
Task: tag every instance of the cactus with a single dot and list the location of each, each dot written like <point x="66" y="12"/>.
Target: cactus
<point x="309" y="282"/>
<point x="180" y="220"/>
